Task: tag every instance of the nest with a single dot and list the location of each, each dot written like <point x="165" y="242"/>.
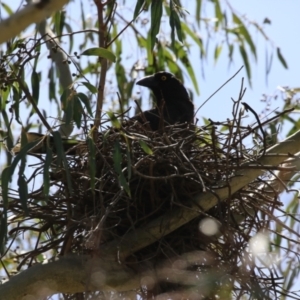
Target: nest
<point x="131" y="176"/>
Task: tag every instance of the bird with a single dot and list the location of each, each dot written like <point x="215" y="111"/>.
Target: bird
<point x="173" y="104"/>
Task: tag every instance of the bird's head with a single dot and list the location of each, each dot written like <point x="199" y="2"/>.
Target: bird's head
<point x="164" y="85"/>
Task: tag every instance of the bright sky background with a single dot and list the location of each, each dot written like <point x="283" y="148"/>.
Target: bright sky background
<point x="283" y="31"/>
<point x="284" y="16"/>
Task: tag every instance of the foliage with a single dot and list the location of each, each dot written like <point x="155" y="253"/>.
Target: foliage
<point x="91" y="71"/>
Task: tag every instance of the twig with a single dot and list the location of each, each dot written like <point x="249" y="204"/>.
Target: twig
<point x="218" y="89"/>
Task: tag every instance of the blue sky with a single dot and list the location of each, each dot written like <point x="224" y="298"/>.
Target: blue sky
<point x="285" y="22"/>
<point x="283" y="31"/>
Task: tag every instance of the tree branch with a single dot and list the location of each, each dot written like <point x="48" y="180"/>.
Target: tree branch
<point x="76" y="274"/>
<point x="65" y="77"/>
<point x="149" y="234"/>
<point x="32" y="13"/>
<point x="73" y="274"/>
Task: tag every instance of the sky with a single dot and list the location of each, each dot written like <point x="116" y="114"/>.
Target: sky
<point x="283" y="32"/>
<point x="285" y="22"/>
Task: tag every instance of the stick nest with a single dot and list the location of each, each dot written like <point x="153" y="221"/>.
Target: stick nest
<point x="138" y="176"/>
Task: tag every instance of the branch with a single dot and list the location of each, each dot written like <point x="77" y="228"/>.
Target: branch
<point x="65" y="77"/>
<point x="32" y="13"/>
<point x="103" y="62"/>
<point x="73" y="274"/>
<point x="152" y="232"/>
<point x="76" y="274"/>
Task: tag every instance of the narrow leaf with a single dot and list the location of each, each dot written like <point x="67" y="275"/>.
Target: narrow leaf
<point x="218" y="12"/>
<point x="186" y="62"/>
<point x="117" y="158"/>
<point x="115" y="122"/>
<point x="281" y="58"/>
<point x="61" y="158"/>
<point x="46" y="175"/>
<point x="23" y="192"/>
<point x="86" y="101"/>
<point x="244" y="32"/>
<point x="175" y="23"/>
<point x="138" y="6"/>
<point x="128" y="154"/>
<point x="92" y="162"/>
<point x="90" y="87"/>
<point x="7" y="9"/>
<point x="5" y="179"/>
<point x="246" y="62"/>
<point x="35" y="85"/>
<point x="198" y="10"/>
<point x="145" y="147"/>
<point x="3" y="230"/>
<point x="102" y="52"/>
<point x="218" y="51"/>
<point x="156" y="14"/>
<point x="124" y="184"/>
<point x="78" y="111"/>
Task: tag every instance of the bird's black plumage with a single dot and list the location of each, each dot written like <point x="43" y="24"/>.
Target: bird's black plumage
<point x="173" y="104"/>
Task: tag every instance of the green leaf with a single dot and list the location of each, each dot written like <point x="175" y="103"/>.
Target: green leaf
<point x="77" y="111"/>
<point x="23" y="192"/>
<point x="139" y="5"/>
<point x="86" y="101"/>
<point x="5" y="179"/>
<point x="281" y="58"/>
<point x="23" y="152"/>
<point x="124" y="184"/>
<point x="83" y="16"/>
<point x="92" y="161"/>
<point x="3" y="230"/>
<point x="194" y="36"/>
<point x="90" y="87"/>
<point x="59" y="149"/>
<point x="244" y="32"/>
<point x="71" y="36"/>
<point x="52" y="84"/>
<point x="246" y="62"/>
<point x="230" y="51"/>
<point x="4" y="96"/>
<point x="46" y="175"/>
<point x="218" y="12"/>
<point x="128" y="154"/>
<point x="198" y="11"/>
<point x="175" y="23"/>
<point x="121" y="80"/>
<point x="117" y="158"/>
<point x="7" y="9"/>
<point x="115" y="122"/>
<point x="16" y="96"/>
<point x="101" y="52"/>
<point x="67" y="102"/>
<point x="218" y="51"/>
<point x="149" y="50"/>
<point x="156" y="14"/>
<point x="61" y="158"/>
<point x="186" y="62"/>
<point x="145" y="147"/>
<point x="35" y="85"/>
<point x="59" y="21"/>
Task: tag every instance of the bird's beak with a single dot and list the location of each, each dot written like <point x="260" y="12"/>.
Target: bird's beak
<point x="148" y="81"/>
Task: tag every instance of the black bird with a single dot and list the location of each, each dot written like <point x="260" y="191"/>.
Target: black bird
<point x="173" y="104"/>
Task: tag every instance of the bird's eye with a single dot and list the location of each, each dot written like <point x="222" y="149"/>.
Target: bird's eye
<point x="163" y="78"/>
